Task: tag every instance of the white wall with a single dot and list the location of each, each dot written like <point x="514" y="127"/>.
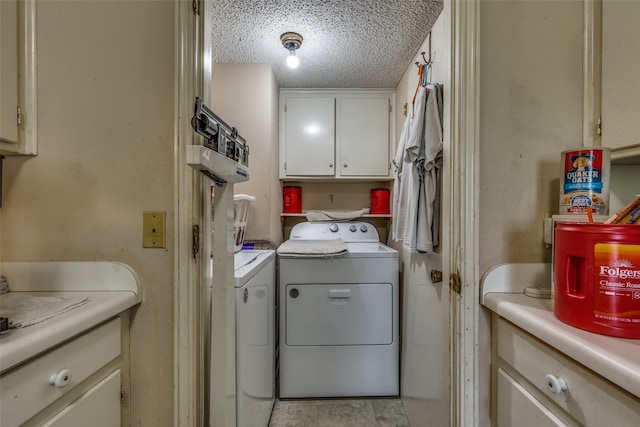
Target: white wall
<point x="246" y="96"/>
<point x="105" y="155"/>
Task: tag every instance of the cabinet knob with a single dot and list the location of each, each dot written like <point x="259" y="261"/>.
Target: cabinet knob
<point x="344" y="165"/>
<point x="61" y="378"/>
<point x="554" y="384"/>
<point x="330" y="164"/>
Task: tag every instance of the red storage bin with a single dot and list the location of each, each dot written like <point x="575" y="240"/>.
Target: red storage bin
<point x="597" y="277"/>
<point x="379" y="201"/>
<point x="292" y="196"/>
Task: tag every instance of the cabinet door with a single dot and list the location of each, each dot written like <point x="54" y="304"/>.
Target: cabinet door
<point x="363" y="136"/>
<point x="310" y="136"/>
<point x="620" y="64"/>
<point x="18" y="77"/>
<point x="517" y="407"/>
<point x="98" y="407"/>
<point x="8" y="71"/>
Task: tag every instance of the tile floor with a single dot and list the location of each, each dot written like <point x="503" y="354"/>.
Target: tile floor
<point x="339" y="413"/>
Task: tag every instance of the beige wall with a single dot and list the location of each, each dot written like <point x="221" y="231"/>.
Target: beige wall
<point x="530" y="111"/>
<point x="245" y="96"/>
<point x="105" y="155"/>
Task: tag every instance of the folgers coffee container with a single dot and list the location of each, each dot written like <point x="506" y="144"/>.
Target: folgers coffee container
<point x="292" y="199"/>
<point x="379" y="201"/>
<point x="585" y="181"/>
<point x="597" y="277"/>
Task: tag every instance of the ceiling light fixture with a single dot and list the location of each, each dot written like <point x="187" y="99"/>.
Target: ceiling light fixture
<point x="291" y="42"/>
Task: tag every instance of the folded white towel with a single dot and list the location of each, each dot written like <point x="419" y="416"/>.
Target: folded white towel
<point x="336" y="215"/>
<point x="313" y="248"/>
<point x="26" y="310"/>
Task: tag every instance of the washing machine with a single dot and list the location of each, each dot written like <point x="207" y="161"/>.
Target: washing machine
<point x="338" y="313"/>
<point x="255" y="336"/>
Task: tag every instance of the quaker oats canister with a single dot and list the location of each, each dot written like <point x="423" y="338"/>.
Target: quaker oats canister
<point x="585" y="181"/>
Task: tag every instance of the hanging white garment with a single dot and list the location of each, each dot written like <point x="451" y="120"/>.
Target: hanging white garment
<point x="398" y="200"/>
<point x="407" y="184"/>
<point x="430" y="148"/>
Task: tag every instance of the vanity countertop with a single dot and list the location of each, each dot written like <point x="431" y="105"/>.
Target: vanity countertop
<point x="111" y="287"/>
<point x="616" y="359"/>
<point x="20" y="344"/>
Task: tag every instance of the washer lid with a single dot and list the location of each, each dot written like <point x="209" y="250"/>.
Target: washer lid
<point x="248" y="262"/>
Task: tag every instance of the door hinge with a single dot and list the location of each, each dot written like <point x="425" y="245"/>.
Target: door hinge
<point x="436" y="276"/>
<point x="389" y="106"/>
<point x="19" y="116"/>
<point x="455" y="283"/>
<point x="285" y="108"/>
<point x="122" y="395"/>
<point x="599" y="126"/>
<point x="196" y="7"/>
<point x="195" y="240"/>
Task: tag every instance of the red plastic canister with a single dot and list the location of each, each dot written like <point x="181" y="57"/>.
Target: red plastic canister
<point x="379" y="201"/>
<point x="597" y="277"/>
<point x="292" y="196"/>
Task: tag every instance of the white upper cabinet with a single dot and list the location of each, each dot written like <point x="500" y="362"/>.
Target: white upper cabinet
<point x="363" y="125"/>
<point x="620" y="82"/>
<point x="309" y="132"/>
<point x="18" y="127"/>
<point x="336" y="134"/>
<point x="8" y="71"/>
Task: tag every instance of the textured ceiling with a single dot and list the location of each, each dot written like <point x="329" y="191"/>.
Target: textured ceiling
<point x="347" y="43"/>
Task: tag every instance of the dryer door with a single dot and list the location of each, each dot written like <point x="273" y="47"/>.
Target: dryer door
<point x="339" y="314"/>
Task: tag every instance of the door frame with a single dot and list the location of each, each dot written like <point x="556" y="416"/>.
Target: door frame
<point x="463" y="217"/>
<point x="189" y="322"/>
<point x="192" y="55"/>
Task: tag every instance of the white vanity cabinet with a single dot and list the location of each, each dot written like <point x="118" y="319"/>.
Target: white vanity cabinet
<point x="76" y="383"/>
<point x="336" y="134"/>
<point x="536" y="385"/>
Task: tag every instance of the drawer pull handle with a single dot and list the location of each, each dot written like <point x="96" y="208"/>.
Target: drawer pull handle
<point x="555" y="385"/>
<point x="60" y="379"/>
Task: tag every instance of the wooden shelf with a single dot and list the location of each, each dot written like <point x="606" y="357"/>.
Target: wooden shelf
<point x="304" y="214"/>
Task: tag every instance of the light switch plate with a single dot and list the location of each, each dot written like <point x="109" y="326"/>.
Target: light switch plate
<point x="153" y="229"/>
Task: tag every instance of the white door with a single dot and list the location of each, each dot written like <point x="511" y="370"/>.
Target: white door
<point x="338" y="314"/>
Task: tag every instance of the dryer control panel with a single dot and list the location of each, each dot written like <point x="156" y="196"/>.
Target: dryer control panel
<point x="348" y="231"/>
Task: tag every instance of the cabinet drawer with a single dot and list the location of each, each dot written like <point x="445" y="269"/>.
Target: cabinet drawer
<point x="101" y="405"/>
<point x="517" y="407"/>
<point x="588" y="398"/>
<point x="26" y="390"/>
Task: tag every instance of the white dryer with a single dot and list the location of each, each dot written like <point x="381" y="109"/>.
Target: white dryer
<point x="338" y="315"/>
<point x="255" y="336"/>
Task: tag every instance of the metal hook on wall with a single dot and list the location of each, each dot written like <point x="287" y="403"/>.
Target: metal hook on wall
<point x="429" y="61"/>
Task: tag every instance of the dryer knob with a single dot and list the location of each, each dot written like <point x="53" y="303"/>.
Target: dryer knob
<point x="352" y="228"/>
<point x="293" y="293"/>
<point x="333" y="228"/>
<point x="363" y="229"/>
